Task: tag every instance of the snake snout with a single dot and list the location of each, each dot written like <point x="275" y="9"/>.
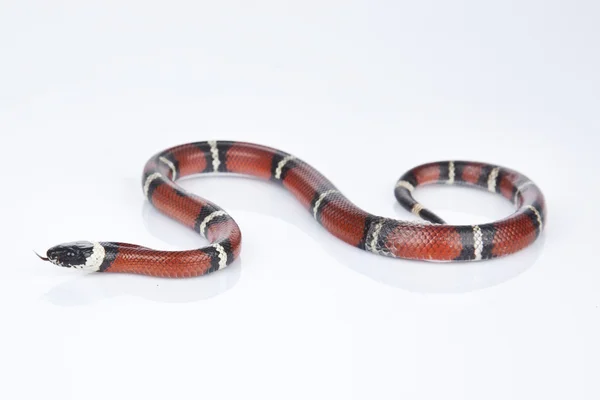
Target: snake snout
<point x="54" y="254"/>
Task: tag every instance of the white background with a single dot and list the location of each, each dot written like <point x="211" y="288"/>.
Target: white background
<point x="363" y="90"/>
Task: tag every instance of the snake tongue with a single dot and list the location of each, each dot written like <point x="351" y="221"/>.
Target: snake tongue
<point x="43" y="258"/>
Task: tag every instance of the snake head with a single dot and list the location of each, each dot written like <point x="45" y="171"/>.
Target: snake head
<point x="80" y="255"/>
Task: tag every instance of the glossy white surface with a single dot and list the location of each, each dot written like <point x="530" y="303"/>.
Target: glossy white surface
<point x="361" y="90"/>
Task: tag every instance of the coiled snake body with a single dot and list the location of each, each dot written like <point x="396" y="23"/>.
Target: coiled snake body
<point x="431" y="240"/>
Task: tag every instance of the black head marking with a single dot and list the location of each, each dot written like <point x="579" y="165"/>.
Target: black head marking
<point x="70" y="254"/>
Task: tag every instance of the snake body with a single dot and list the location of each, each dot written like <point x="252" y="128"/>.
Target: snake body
<point x="430" y="240"/>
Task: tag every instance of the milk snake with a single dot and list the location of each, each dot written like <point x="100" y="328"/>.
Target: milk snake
<point x="431" y="240"/>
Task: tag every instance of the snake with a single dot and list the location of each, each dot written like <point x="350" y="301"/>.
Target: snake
<point x="426" y="239"/>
